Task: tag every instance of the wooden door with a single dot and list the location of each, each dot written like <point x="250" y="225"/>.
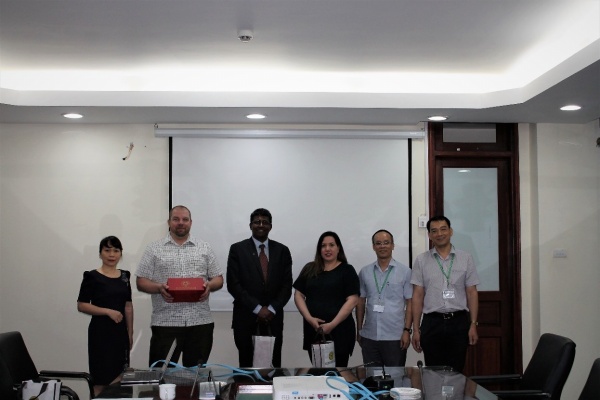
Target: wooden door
<point x="484" y="196"/>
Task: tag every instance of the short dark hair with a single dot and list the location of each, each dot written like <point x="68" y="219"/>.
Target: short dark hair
<point x="384" y="231"/>
<point x="437" y="218"/>
<point x="261" y="212"/>
<point x="110" y="241"/>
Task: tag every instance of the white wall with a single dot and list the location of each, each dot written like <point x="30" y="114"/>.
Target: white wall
<point x="64" y="187"/>
<point x="560" y="206"/>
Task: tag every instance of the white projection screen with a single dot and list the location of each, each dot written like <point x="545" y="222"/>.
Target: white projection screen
<point x="351" y="186"/>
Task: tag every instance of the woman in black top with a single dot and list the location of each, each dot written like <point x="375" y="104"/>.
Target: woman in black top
<point x="105" y="294"/>
<point x="326" y="293"/>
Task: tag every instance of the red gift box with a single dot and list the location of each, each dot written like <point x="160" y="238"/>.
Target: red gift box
<point x="185" y="289"/>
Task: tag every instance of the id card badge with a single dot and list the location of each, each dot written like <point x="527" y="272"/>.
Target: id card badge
<point x="448" y="294"/>
<point x="378" y="308"/>
<point x="448" y="391"/>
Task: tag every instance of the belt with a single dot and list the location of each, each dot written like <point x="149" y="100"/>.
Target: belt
<point x="448" y="315"/>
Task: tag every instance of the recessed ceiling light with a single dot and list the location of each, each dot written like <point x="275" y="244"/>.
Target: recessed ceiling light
<point x="245" y="35"/>
<point x="255" y="116"/>
<point x="571" y="107"/>
<point x="437" y="118"/>
<point x="72" y="115"/>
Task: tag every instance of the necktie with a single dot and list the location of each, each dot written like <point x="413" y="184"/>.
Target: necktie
<point x="264" y="261"/>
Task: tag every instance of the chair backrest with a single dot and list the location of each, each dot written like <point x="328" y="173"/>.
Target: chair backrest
<point x="6" y="383"/>
<point x="591" y="390"/>
<point x="550" y="365"/>
<point x="16" y="357"/>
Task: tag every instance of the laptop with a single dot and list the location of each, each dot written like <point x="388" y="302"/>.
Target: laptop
<point x="149" y="376"/>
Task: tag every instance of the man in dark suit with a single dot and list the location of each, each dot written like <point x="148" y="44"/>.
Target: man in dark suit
<point x="259" y="277"/>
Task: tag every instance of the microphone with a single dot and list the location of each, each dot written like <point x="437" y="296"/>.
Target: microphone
<point x="420" y="366"/>
<point x="383" y="374"/>
<point x="200" y="363"/>
<point x="214" y="385"/>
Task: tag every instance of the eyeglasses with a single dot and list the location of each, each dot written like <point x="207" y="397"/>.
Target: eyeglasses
<point x="260" y="222"/>
<point x="385" y="243"/>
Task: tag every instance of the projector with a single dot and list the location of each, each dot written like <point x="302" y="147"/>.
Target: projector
<point x="308" y="388"/>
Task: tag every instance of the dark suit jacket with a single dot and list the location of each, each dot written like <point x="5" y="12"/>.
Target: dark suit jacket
<point x="246" y="284"/>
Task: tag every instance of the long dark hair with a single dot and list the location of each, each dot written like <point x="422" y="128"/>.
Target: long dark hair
<point x="317" y="266"/>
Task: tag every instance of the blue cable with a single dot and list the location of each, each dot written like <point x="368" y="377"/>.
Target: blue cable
<point x="355" y="388"/>
<point x="254" y="375"/>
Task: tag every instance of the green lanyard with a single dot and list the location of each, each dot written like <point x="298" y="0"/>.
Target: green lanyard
<point x="380" y="289"/>
<point x="437" y="259"/>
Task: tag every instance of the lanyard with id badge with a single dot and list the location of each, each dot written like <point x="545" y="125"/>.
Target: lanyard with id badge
<point x="380" y="303"/>
<point x="447" y="293"/>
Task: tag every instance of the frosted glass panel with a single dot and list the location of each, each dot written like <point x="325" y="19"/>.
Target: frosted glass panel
<point x="468" y="133"/>
<point x="471" y="204"/>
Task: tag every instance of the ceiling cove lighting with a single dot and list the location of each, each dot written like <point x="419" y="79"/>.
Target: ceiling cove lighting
<point x="437" y="118"/>
<point x="72" y="115"/>
<point x="256" y="116"/>
<point x="571" y="107"/>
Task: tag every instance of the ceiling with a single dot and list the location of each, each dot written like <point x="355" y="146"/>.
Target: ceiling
<point x="329" y="62"/>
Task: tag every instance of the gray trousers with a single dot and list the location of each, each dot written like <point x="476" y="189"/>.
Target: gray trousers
<point x="386" y="352"/>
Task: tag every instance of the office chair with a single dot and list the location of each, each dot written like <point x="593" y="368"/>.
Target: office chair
<point x="7" y="390"/>
<point x="545" y="375"/>
<point x="591" y="389"/>
<point x="21" y="367"/>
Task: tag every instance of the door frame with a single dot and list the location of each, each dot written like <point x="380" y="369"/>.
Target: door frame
<point x="503" y="152"/>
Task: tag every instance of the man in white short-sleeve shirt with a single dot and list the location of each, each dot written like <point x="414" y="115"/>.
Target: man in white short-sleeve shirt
<point x="445" y="293"/>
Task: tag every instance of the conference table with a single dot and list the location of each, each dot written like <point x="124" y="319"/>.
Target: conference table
<point x="435" y="383"/>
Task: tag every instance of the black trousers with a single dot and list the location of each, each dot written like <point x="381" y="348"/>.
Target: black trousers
<point x="194" y="341"/>
<point x="445" y="341"/>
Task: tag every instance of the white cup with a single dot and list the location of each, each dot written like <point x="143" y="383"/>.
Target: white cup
<point x="166" y="391"/>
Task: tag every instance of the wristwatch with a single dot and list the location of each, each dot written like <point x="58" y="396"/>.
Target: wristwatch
<point x="408" y="330"/>
<point x="475" y="323"/>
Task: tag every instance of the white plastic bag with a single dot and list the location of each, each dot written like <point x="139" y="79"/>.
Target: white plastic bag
<point x="263" y="351"/>
<point x="323" y="353"/>
<point x="45" y="390"/>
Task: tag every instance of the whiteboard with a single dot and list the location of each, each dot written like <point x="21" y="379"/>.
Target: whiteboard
<point x="351" y="186"/>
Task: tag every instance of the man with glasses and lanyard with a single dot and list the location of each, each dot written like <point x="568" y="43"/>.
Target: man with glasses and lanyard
<point x="383" y="313"/>
<point x="259" y="277"/>
<point x="445" y="293"/>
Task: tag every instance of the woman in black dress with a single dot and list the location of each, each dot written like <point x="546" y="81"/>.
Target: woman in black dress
<point x="326" y="293"/>
<point x="105" y="294"/>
